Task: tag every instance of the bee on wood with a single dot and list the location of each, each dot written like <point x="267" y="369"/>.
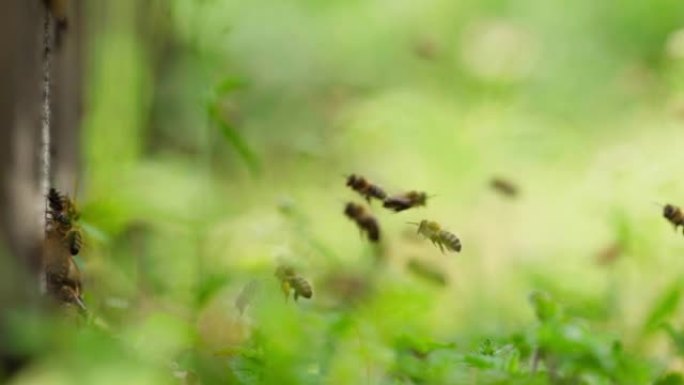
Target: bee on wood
<point x="62" y="275"/>
<point x="504" y="187"/>
<point x="290" y="280"/>
<point x="365" y="188"/>
<point x="405" y="201"/>
<point x="59" y="9"/>
<point x="442" y="238"/>
<point x="674" y="215"/>
<point x="364" y="220"/>
<point x="63" y="215"/>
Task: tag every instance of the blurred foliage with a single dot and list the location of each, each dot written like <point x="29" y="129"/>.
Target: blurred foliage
<point x="215" y="139"/>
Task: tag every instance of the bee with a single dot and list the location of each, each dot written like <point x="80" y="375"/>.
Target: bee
<point x="62" y="275"/>
<point x="74" y="240"/>
<point x="674" y="215"/>
<point x="59" y="8"/>
<point x="504" y="187"/>
<point x="365" y="188"/>
<point x="364" y="220"/>
<point x="290" y="280"/>
<point x="63" y="215"/>
<point x="442" y="238"/>
<point x="405" y="201"/>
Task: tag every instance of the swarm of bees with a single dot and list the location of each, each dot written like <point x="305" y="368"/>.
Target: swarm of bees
<point x="291" y="281"/>
<point x="63" y="240"/>
<point x="397" y="203"/>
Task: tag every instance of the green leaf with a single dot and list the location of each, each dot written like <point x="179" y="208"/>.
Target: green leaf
<point x="229" y="85"/>
<point x="235" y="139"/>
<point x="670" y="379"/>
<point x="545" y="308"/>
<point x="664" y="307"/>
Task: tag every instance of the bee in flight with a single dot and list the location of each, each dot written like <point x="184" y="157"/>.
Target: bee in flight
<point x="290" y="280"/>
<point x="405" y="201"/>
<point x="364" y="220"/>
<point x="442" y="238"/>
<point x="674" y="215"/>
<point x="365" y="188"/>
<point x="63" y="215"/>
<point x="504" y="187"/>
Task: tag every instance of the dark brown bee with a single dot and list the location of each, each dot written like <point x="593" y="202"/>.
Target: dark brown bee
<point x="62" y="276"/>
<point x="59" y="9"/>
<point x="364" y="220"/>
<point x="405" y="201"/>
<point x="504" y="187"/>
<point x="365" y="188"/>
<point x="674" y="215"/>
<point x="55" y="200"/>
<point x="290" y="280"/>
<point x="442" y="238"/>
<point x="63" y="215"/>
<point x="74" y="241"/>
<point x="246" y="294"/>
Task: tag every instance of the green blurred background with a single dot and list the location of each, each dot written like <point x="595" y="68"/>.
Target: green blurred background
<point x="215" y="140"/>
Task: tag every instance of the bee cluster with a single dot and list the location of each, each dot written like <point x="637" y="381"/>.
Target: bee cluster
<point x="63" y="240"/>
<point x="397" y="203"/>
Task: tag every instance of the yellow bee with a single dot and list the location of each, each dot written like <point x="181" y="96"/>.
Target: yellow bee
<point x="290" y="280"/>
<point x="674" y="215"/>
<point x="364" y="220"/>
<point x="365" y="188"/>
<point x="405" y="201"/>
<point x="442" y="238"/>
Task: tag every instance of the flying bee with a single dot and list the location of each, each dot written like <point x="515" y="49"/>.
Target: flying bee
<point x="365" y="188"/>
<point x="405" y="201"/>
<point x="674" y="215"/>
<point x="364" y="220"/>
<point x="442" y="238"/>
<point x="290" y="280"/>
<point x="504" y="187"/>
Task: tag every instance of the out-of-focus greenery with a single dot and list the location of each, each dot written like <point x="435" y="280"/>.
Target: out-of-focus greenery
<point x="215" y="141"/>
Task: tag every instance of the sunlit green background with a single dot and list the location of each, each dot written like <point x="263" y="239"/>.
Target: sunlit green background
<point x="216" y="139"/>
